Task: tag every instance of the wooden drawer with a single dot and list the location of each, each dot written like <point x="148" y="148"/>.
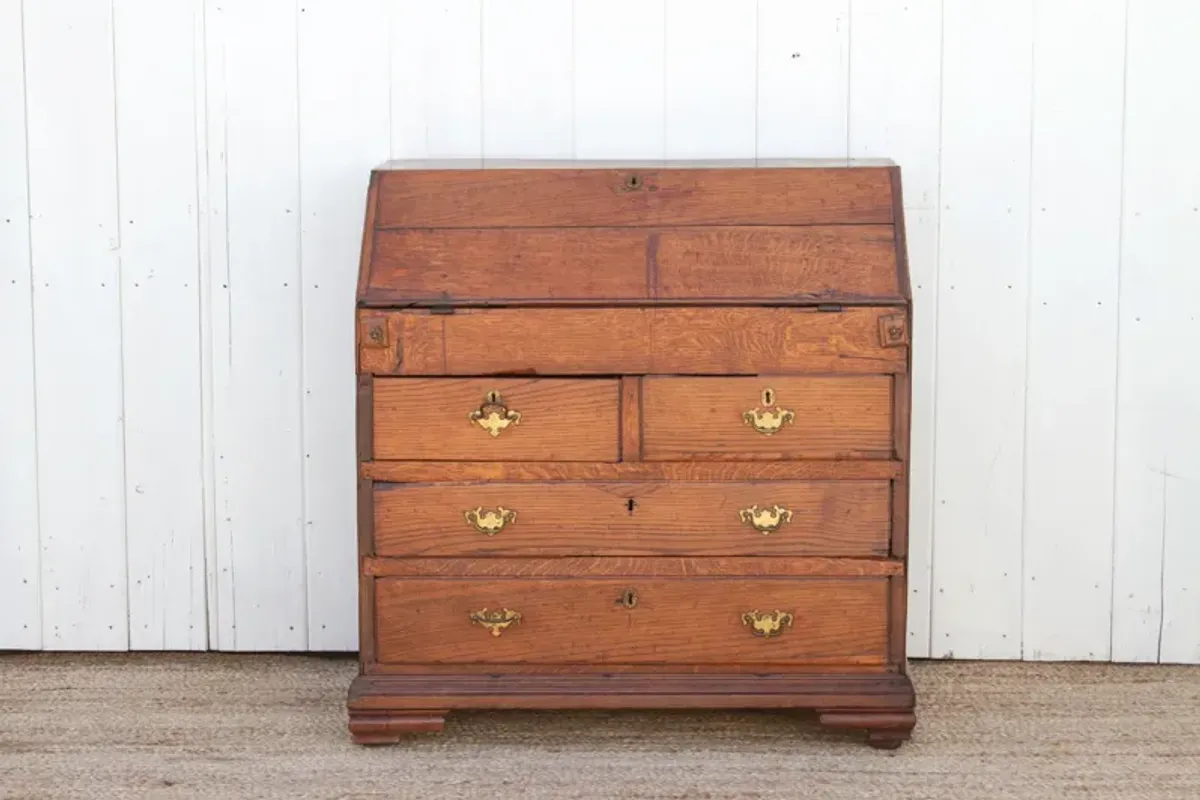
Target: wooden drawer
<point x="793" y="518"/>
<point x="504" y="419"/>
<point x="767" y="418"/>
<point x="661" y="340"/>
<point x="671" y="621"/>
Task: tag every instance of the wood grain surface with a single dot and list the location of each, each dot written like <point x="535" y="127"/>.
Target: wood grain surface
<point x="653" y="196"/>
<point x="571" y="519"/>
<point x="561" y="420"/>
<point x="646" y="566"/>
<point x="637" y="341"/>
<point x="674" y="621"/>
<point x="701" y="418"/>
<point x="854" y="263"/>
<point x="435" y="471"/>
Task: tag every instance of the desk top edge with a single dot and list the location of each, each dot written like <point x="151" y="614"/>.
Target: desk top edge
<point x="715" y="163"/>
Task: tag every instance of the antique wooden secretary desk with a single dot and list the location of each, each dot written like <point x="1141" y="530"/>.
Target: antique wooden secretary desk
<point x="633" y="436"/>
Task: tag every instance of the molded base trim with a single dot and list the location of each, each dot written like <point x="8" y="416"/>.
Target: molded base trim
<point x="383" y="708"/>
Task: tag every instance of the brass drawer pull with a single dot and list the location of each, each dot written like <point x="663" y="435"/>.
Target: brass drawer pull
<point x="765" y="520"/>
<point x="490" y="522"/>
<point x="493" y="416"/>
<point x="768" y="420"/>
<point x="767" y="623"/>
<point x="495" y="621"/>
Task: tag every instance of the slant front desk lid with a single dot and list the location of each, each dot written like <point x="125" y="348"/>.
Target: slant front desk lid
<point x="482" y="233"/>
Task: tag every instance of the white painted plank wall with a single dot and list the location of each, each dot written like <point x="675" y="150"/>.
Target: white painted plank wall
<point x="75" y="241"/>
<point x="20" y="558"/>
<point x="179" y="224"/>
<point x="1071" y="368"/>
<point x="154" y="54"/>
<point x="981" y="328"/>
<point x="1156" y="590"/>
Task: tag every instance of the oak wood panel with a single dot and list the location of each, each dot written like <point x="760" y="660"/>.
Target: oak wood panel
<point x="516" y="264"/>
<point x="437" y="471"/>
<point x="698" y="519"/>
<point x="661" y="567"/>
<point x="631" y="418"/>
<point x="634" y="196"/>
<point x="561" y="420"/>
<point x="674" y="621"/>
<point x="840" y="262"/>
<point x="639" y="341"/>
<point x="834" y="417"/>
<point x="855" y="263"/>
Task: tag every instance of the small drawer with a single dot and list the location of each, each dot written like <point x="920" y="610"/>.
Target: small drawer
<point x="502" y="419"/>
<point x="769" y="518"/>
<point x="635" y="620"/>
<point x="767" y="418"/>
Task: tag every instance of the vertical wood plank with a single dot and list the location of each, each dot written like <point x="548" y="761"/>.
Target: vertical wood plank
<point x="20" y="584"/>
<point x="436" y="79"/>
<point x="528" y="79"/>
<point x="1156" y="612"/>
<point x="619" y="71"/>
<point x="896" y="113"/>
<point x="156" y="132"/>
<point x="982" y="288"/>
<point x="803" y="78"/>
<point x="211" y="185"/>
<point x="711" y="66"/>
<point x="1070" y="409"/>
<point x="76" y="244"/>
<point x="344" y="132"/>
<point x="257" y="355"/>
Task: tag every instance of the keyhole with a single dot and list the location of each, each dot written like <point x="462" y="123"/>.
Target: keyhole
<point x="634" y="182"/>
<point x="628" y="598"/>
<point x="493" y="396"/>
<point x="630" y="504"/>
<point x="768" y="397"/>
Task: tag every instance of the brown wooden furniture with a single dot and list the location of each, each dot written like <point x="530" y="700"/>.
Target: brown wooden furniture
<point x="633" y="436"/>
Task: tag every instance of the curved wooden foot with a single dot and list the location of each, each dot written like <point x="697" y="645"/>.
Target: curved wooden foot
<point x="886" y="730"/>
<point x="388" y="727"/>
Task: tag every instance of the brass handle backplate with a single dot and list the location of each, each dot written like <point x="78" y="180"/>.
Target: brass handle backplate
<point x="490" y="522"/>
<point x="767" y="623"/>
<point x="493" y="416"/>
<point x="765" y="520"/>
<point x="495" y="621"/>
<point x="769" y="419"/>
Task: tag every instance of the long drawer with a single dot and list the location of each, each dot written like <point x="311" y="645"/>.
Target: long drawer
<point x="777" y="518"/>
<point x="635" y="620"/>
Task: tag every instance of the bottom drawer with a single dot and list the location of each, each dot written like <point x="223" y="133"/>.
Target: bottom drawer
<point x="632" y="621"/>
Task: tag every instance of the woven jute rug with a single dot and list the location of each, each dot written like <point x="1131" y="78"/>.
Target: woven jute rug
<point x="274" y="726"/>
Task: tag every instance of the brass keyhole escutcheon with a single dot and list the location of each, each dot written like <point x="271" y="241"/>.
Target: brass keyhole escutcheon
<point x="628" y="598"/>
<point x="633" y="182"/>
<point x="494" y="416"/>
<point x="769" y="419"/>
